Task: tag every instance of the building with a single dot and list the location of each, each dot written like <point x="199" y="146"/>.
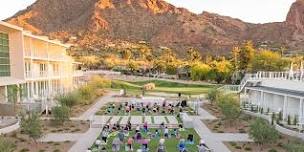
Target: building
<point x="275" y="92"/>
<point x="34" y="69"/>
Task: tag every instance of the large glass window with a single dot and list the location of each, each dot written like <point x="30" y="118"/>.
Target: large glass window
<point x="4" y="55"/>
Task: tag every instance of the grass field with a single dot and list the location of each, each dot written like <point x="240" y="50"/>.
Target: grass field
<point x="162" y="86"/>
<point x="121" y="112"/>
<point x="171" y="143"/>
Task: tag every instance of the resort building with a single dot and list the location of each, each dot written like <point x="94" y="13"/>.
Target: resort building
<point x="34" y="69"/>
<point x="275" y="92"/>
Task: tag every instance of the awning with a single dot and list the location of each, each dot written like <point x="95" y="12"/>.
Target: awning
<point x="4" y="81"/>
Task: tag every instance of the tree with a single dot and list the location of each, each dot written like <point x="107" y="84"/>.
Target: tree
<point x="242" y="56"/>
<point x="6" y="145"/>
<point x="230" y="106"/>
<point x="133" y="66"/>
<point x="221" y="70"/>
<point x="200" y="72"/>
<point x="193" y="55"/>
<point x="262" y="132"/>
<point x="89" y="61"/>
<point x="31" y="125"/>
<point x="267" y="60"/>
<point x="61" y="114"/>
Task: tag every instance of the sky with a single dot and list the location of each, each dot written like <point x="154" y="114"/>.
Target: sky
<point x="254" y="11"/>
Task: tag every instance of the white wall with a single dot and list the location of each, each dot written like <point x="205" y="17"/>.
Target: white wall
<point x="284" y="84"/>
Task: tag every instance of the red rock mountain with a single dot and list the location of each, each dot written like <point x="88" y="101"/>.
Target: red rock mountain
<point x="157" y="22"/>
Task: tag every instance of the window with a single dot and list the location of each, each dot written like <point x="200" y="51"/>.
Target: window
<point x="4" y="56"/>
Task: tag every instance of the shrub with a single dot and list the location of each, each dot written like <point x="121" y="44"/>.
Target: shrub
<point x="273" y="117"/>
<point x="86" y="94"/>
<point x="213" y="95"/>
<point x="98" y="82"/>
<point x="61" y="114"/>
<point x="248" y="148"/>
<point x="6" y="145"/>
<point x="230" y="106"/>
<point x="31" y="125"/>
<point x="272" y="150"/>
<point x="288" y="120"/>
<point x="69" y="99"/>
<point x="294" y="146"/>
<point x="262" y="132"/>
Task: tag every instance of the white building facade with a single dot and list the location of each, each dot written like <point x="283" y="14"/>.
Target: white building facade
<point x="276" y="92"/>
<point x="37" y="66"/>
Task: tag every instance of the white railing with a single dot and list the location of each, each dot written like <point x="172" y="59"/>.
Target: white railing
<point x="286" y="75"/>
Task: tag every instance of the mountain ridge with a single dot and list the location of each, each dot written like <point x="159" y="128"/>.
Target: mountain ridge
<point x="156" y="22"/>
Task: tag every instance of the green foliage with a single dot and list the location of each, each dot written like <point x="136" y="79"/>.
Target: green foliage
<point x="31" y="125"/>
<point x="69" y="99"/>
<point x="262" y="132"/>
<point x="273" y="118"/>
<point x="6" y="145"/>
<point x="86" y="94"/>
<point x="294" y="146"/>
<point x="221" y="70"/>
<point x="60" y="114"/>
<point x="98" y="82"/>
<point x="230" y="106"/>
<point x="200" y="72"/>
<point x="267" y="60"/>
<point x="242" y="56"/>
<point x="213" y="95"/>
<point x="89" y="62"/>
<point x="288" y="120"/>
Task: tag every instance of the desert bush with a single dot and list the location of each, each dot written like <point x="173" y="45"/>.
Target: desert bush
<point x="69" y="99"/>
<point x="6" y="145"/>
<point x="213" y="95"/>
<point x="86" y="94"/>
<point x="31" y="125"/>
<point x="60" y="114"/>
<point x="230" y="106"/>
<point x="98" y="82"/>
<point x="262" y="132"/>
<point x="294" y="146"/>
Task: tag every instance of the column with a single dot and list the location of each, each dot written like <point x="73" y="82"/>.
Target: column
<point x="32" y="89"/>
<point x="301" y="111"/>
<point x="5" y="94"/>
<point x="261" y="102"/>
<point x="285" y="107"/>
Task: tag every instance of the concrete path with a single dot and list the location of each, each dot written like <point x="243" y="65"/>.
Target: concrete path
<point x="215" y="140"/>
<point x="136" y="120"/>
<point x="114" y="120"/>
<point x="148" y="119"/>
<point x="172" y="120"/>
<point x="86" y="140"/>
<point x="96" y="107"/>
<point x="159" y="119"/>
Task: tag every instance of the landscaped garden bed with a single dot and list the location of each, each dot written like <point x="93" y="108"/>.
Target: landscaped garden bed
<point x="240" y="125"/>
<point x="66" y="127"/>
<point x="284" y="144"/>
<point x="23" y="143"/>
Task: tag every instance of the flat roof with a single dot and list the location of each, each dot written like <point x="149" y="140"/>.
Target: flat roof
<point x="279" y="90"/>
<point x="29" y="34"/>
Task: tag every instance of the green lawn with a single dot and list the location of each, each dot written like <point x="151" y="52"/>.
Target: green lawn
<point x="163" y="86"/>
<point x="121" y="112"/>
<point x="171" y="143"/>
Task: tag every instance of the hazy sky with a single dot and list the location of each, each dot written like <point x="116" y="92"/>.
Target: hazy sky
<point x="255" y="11"/>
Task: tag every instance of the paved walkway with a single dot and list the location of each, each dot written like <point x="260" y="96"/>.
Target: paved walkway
<point x="215" y="140"/>
<point x="85" y="140"/>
